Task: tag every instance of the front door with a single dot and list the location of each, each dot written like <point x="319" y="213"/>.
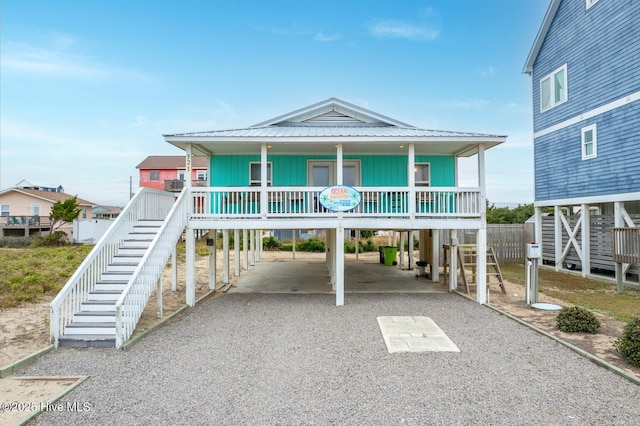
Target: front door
<point x="323" y="173"/>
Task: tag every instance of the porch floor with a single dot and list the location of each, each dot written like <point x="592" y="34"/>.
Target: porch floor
<point x="309" y="274"/>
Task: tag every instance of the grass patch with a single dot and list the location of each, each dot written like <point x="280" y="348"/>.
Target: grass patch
<point x="30" y="274"/>
<point x="591" y="294"/>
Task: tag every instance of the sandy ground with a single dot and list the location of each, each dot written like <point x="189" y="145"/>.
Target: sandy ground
<point x="25" y="330"/>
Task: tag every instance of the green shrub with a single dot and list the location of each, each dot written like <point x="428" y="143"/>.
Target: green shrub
<point x="271" y="243"/>
<point x="312" y="245"/>
<point x="54" y="239"/>
<point x="15" y="242"/>
<point x="369" y="246"/>
<point x="629" y="344"/>
<point x="577" y="320"/>
<point x="286" y="247"/>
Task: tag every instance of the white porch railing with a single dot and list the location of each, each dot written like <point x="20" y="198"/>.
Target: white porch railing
<point x="146" y="204"/>
<point x="291" y="202"/>
<point x="135" y="296"/>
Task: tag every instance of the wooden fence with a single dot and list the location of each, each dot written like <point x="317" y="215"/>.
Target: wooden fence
<point x="601" y="241"/>
<point x="508" y="241"/>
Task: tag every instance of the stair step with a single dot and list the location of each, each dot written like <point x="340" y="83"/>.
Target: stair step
<point x="95" y="328"/>
<point x="87" y="341"/>
<point x="122" y="267"/>
<point x="111" y="285"/>
<point x="98" y="305"/>
<point x="94" y="316"/>
<point x="104" y="295"/>
<point x="132" y="251"/>
<point x="116" y="276"/>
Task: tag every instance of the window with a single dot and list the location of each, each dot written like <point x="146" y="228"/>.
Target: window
<point x="201" y="175"/>
<point x="84" y="212"/>
<point x="154" y="174"/>
<point x="422" y="173"/>
<point x="181" y="174"/>
<point x="35" y="210"/>
<point x="589" y="142"/>
<point x="553" y="89"/>
<point x="4" y="210"/>
<point x="591" y="3"/>
<point x="254" y="174"/>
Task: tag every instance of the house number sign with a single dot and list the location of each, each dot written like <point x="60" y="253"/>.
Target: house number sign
<point x="340" y="198"/>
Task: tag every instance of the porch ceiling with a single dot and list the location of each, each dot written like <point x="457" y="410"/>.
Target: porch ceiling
<point x="361" y="145"/>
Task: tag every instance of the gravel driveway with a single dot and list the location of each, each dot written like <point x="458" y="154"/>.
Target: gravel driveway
<point x="263" y="359"/>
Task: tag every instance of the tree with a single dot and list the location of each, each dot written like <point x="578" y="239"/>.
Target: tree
<point x="519" y="214"/>
<point x="64" y="212"/>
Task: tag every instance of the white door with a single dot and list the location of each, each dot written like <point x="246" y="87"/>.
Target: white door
<point x="323" y="173"/>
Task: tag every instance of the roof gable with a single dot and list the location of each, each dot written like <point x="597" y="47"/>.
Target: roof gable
<point x="332" y="111"/>
<point x="49" y="196"/>
<point x="170" y="162"/>
<point x="542" y="34"/>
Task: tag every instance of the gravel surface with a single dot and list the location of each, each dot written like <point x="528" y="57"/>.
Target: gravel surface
<point x="262" y="359"/>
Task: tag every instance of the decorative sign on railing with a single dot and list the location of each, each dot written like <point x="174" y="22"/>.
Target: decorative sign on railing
<point x="340" y="198"/>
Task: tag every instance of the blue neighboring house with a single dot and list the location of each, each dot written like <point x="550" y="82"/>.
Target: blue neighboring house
<point x="585" y="69"/>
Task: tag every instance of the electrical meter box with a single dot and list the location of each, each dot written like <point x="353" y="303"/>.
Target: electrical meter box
<point x="534" y="251"/>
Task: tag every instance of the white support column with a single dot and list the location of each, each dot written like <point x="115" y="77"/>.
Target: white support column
<point x="585" y="217"/>
<point x="482" y="184"/>
<point x="331" y="256"/>
<point x="245" y="250"/>
<point x="174" y="268"/>
<point x="401" y="263"/>
<point x="339" y="177"/>
<point x="159" y="297"/>
<point x="213" y="254"/>
<point x="188" y="167"/>
<point x="557" y="212"/>
<point x="252" y="258"/>
<point x="293" y="243"/>
<point x="411" y="179"/>
<point x="411" y="262"/>
<point x="481" y="271"/>
<point x="339" y="265"/>
<point x="618" y="222"/>
<point x="225" y="256"/>
<point x="538" y="230"/>
<point x="435" y="255"/>
<point x="264" y="202"/>
<point x="453" y="260"/>
<point x="236" y="252"/>
<point x="422" y="248"/>
<point x="190" y="276"/>
<point x="259" y="245"/>
<point x="357" y="244"/>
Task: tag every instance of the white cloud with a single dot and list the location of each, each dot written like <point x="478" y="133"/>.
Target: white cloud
<point x="58" y="61"/>
<point x="486" y="72"/>
<point x="321" y="36"/>
<point x="427" y="29"/>
<point x="405" y="30"/>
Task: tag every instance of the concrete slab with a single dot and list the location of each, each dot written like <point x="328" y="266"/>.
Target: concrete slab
<point x="414" y="334"/>
<point x="310" y="275"/>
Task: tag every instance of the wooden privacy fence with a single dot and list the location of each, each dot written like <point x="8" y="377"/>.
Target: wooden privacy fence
<point x="508" y="241"/>
<point x="626" y="245"/>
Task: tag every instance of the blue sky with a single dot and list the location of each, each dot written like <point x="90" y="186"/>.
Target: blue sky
<point x="88" y="88"/>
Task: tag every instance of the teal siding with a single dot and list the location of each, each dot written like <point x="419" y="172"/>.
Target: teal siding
<point x="291" y="170"/>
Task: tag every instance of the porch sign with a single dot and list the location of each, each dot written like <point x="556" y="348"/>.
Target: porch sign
<point x="340" y="198"/>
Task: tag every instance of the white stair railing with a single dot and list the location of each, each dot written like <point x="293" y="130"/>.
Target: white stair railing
<point x="146" y="204"/>
<point x="135" y="296"/>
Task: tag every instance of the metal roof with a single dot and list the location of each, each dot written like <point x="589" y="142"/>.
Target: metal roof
<point x="318" y="127"/>
<point x="307" y="131"/>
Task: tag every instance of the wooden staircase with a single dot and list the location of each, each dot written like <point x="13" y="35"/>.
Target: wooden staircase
<point x="468" y="259"/>
<point x="94" y="325"/>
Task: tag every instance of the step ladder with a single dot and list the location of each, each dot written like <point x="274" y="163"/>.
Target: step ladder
<point x="468" y="257"/>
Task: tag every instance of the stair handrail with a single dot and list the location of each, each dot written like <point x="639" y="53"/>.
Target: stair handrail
<point x="146" y="203"/>
<point x="134" y="297"/>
